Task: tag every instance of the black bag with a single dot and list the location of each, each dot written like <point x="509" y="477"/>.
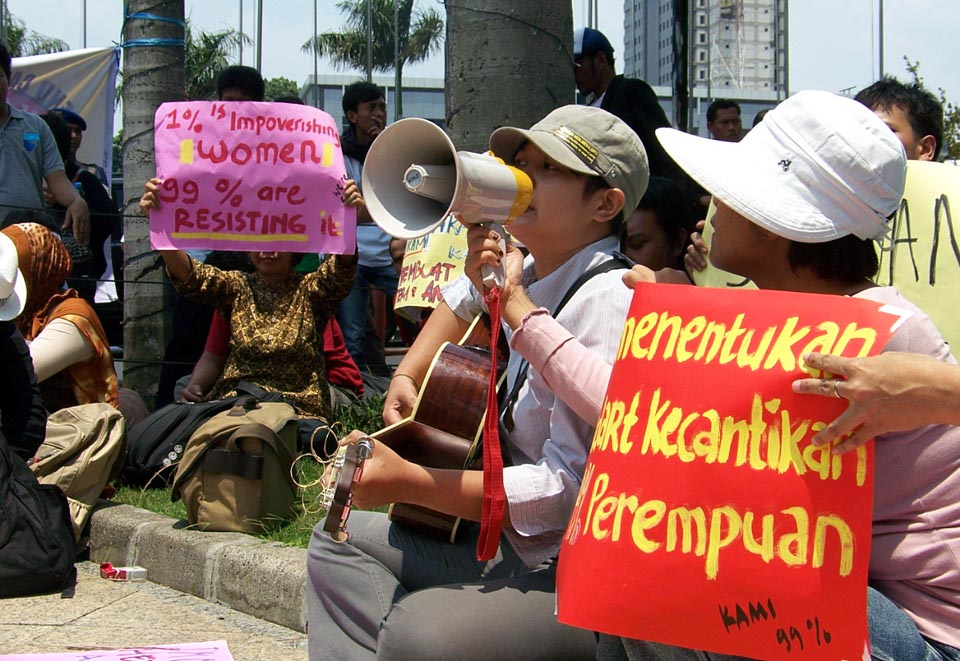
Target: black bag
<point x="37" y="547"/>
<point x="156" y="443"/>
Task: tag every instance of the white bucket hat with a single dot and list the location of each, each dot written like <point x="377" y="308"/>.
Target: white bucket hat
<point x="13" y="288"/>
<point x="818" y="167"/>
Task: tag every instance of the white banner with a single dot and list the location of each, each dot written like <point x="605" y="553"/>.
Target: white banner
<point x="83" y="81"/>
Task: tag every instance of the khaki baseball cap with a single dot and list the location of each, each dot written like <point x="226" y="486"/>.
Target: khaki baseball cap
<point x="586" y="140"/>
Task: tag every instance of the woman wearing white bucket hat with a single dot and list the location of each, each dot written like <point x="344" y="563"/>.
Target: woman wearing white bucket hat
<point x="799" y="202"/>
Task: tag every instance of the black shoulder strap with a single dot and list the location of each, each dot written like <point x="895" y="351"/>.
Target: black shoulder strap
<point x="618" y="261"/>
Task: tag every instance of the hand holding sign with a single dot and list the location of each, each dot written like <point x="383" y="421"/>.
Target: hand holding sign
<point x="249" y="176"/>
<point x="894" y="391"/>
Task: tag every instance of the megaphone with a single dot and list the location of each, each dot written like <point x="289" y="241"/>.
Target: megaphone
<point x="414" y="178"/>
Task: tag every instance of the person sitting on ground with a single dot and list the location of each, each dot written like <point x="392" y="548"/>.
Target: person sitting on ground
<point x="191" y="320"/>
<point x="658" y="232"/>
<point x="371" y="595"/>
<point x="810" y="227"/>
<point x="276" y="315"/>
<point x="911" y="112"/>
<point x="71" y="355"/>
<point x="343" y="377"/>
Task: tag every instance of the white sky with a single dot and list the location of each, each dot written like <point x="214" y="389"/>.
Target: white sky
<point x="833" y="43"/>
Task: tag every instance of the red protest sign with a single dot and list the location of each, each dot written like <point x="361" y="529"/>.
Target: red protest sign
<point x="250" y="176"/>
<point x="706" y="519"/>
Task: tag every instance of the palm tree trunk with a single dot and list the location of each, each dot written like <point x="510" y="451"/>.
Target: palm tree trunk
<point x="507" y="63"/>
<point x="152" y="74"/>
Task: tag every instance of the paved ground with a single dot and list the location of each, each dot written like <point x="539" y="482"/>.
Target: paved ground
<point x="102" y="614"/>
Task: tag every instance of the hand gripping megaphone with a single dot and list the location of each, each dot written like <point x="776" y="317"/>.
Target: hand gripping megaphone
<point x="414" y="178"/>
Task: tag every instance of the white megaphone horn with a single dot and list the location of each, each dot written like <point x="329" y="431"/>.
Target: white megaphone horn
<point x="414" y="178"/>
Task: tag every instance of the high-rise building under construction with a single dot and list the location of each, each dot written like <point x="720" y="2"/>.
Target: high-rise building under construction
<point x="736" y="48"/>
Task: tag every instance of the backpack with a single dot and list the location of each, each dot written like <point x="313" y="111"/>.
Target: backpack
<point x="157" y="442"/>
<point x="37" y="546"/>
<point x="83" y="451"/>
<point x="235" y="473"/>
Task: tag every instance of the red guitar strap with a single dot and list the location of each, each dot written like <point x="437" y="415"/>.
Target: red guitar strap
<point x="494" y="498"/>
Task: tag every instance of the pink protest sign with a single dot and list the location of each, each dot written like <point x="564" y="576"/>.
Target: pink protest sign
<point x="250" y="176"/>
<point x="213" y="651"/>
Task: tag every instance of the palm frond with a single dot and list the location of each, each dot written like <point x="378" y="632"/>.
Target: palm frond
<point x="421" y="34"/>
<point x="21" y="41"/>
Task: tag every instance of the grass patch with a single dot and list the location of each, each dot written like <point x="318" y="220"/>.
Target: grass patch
<point x="365" y="416"/>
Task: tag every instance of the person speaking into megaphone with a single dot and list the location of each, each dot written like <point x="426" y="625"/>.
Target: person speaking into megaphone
<point x="586" y="166"/>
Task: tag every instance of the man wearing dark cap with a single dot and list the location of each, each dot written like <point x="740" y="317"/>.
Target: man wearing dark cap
<point x="93" y="279"/>
<point x="630" y="99"/>
<point x="77" y="126"/>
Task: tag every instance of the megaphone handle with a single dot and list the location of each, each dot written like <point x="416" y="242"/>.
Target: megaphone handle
<point x="493" y="276"/>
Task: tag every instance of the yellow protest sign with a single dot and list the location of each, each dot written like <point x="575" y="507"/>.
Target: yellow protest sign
<point x="429" y="263"/>
<point x="921" y="258"/>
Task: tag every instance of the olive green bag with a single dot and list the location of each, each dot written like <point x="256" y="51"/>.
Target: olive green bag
<point x="83" y="450"/>
<point x="235" y="472"/>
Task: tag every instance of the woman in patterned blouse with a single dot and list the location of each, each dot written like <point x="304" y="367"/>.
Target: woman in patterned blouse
<point x="276" y="316"/>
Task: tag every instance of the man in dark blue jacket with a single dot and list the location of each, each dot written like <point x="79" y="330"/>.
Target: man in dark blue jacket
<point x="630" y="99"/>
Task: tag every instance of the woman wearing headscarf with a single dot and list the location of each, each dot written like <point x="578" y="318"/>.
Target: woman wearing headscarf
<point x="70" y="351"/>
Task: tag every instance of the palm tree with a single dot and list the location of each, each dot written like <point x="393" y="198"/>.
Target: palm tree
<point x="206" y="54"/>
<point x="22" y="41"/>
<point x="153" y="73"/>
<point x="420" y="34"/>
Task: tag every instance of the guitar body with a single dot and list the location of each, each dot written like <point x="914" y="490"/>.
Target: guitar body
<point x="444" y="430"/>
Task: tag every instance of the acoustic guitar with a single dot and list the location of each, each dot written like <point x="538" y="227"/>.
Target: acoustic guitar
<point x="443" y="431"/>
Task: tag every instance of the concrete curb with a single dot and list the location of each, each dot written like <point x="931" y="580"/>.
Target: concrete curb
<point x="263" y="579"/>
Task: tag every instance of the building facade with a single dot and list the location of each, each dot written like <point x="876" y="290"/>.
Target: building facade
<point x="737" y="49"/>
<point x="422" y="97"/>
